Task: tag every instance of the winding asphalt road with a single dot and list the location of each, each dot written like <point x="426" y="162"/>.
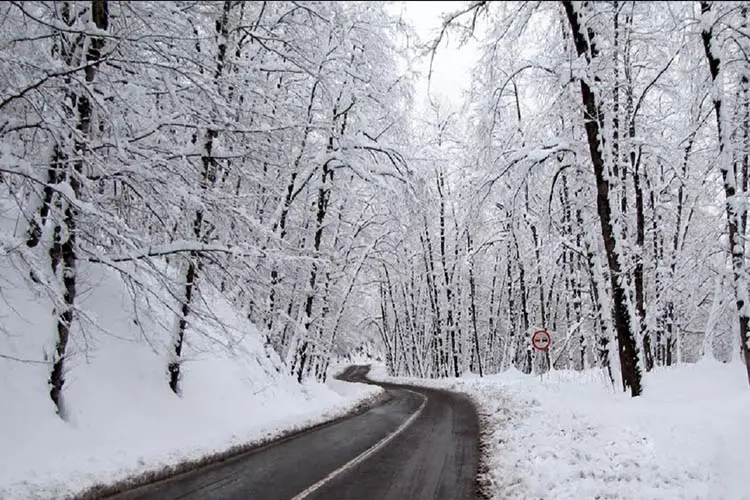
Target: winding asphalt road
<point x="421" y="444"/>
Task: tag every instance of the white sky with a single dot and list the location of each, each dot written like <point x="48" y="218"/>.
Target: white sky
<point x="451" y="72"/>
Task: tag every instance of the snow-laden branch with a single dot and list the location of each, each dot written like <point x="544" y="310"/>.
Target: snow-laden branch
<point x="22" y="360"/>
<point x="171" y="249"/>
<point x="49" y="76"/>
<point x="650" y="85"/>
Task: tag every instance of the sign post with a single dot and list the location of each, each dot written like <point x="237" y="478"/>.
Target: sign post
<point x="541" y="340"/>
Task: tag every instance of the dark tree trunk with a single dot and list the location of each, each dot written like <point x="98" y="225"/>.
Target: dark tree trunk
<point x="208" y="180"/>
<point x="385" y="329"/>
<point x="492" y="319"/>
<point x="473" y="306"/>
<point x="526" y="365"/>
<point x="63" y="252"/>
<point x="510" y="344"/>
<point x="640" y="232"/>
<point x="628" y="350"/>
<point x="324" y="193"/>
<point x="68" y="53"/>
<point x="449" y="320"/>
<point x="635" y="164"/>
<point x="292" y="191"/>
<point x="339" y="121"/>
<point x="54" y="172"/>
<point x="63" y="249"/>
<point x="440" y="368"/>
<point x="174" y="365"/>
<point x="734" y="220"/>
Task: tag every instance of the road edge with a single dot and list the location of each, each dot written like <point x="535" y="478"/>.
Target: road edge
<point x="103" y="491"/>
<point x="484" y="488"/>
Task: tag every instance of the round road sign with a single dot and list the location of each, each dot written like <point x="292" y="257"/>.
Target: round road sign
<point x="541" y="340"/>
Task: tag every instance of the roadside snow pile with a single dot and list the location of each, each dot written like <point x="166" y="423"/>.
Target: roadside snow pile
<point x="569" y="435"/>
<point x="123" y="419"/>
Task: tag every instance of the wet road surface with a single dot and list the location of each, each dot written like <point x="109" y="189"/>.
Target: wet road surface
<point x="421" y="444"/>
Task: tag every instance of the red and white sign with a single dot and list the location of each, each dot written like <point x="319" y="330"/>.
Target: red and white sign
<point x="541" y="340"/>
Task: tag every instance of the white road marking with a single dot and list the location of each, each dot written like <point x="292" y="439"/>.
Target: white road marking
<point x="365" y="454"/>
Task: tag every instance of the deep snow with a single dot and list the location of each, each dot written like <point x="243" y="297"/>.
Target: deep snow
<point x="123" y="419"/>
<point x="570" y="435"/>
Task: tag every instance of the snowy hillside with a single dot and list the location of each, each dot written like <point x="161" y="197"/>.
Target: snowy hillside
<point x="123" y="419"/>
<point x="569" y="435"/>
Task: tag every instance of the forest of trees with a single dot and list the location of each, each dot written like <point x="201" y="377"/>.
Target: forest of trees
<point x="593" y="184"/>
<point x="598" y="192"/>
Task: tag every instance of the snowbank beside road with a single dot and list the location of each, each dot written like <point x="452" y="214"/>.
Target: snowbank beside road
<point x="569" y="435"/>
<point x="123" y="420"/>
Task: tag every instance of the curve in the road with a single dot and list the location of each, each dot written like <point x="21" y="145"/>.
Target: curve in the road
<point x="422" y="444"/>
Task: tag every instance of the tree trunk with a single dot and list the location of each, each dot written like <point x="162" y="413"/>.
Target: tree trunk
<point x="510" y="344"/>
<point x="473" y="305"/>
<point x="640" y="222"/>
<point x="593" y="116"/>
<point x="64" y="249"/>
<point x="174" y="365"/>
<point x="208" y="180"/>
<point x="324" y="193"/>
<point x="292" y="190"/>
<point x="440" y="369"/>
<point x="735" y="211"/>
<point x="449" y="321"/>
<point x="492" y="320"/>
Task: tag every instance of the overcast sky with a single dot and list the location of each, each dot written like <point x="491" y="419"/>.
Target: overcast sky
<point x="452" y="65"/>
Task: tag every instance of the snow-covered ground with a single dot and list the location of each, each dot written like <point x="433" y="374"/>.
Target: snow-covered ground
<point x="123" y="419"/>
<point x="569" y="435"/>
